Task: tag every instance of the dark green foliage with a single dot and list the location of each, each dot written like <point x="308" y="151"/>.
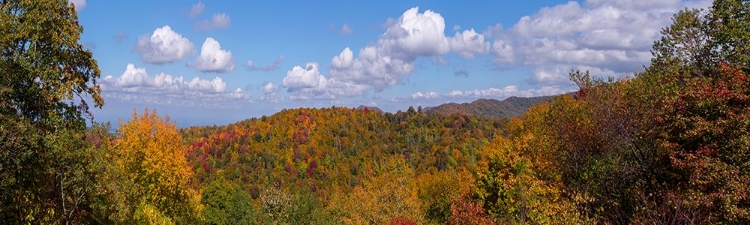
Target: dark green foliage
<point x="308" y="209"/>
<point x="47" y="171"/>
<point x="225" y="203"/>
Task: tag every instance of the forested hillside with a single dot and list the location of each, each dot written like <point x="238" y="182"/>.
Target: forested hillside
<point x="490" y="108"/>
<point x="670" y="145"/>
<point x="293" y="140"/>
<point x="334" y="155"/>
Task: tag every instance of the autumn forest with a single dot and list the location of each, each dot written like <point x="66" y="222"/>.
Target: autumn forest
<point x="669" y="145"/>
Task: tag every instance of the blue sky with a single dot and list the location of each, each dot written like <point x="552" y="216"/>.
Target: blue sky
<point x="216" y="62"/>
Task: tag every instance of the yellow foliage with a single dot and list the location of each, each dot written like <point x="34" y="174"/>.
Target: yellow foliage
<point x="391" y="194"/>
<point x="509" y="180"/>
<point x="150" y="154"/>
<point x="438" y="189"/>
<point x="153" y="151"/>
<point x="148" y="214"/>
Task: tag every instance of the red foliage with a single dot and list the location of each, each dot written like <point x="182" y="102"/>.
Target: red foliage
<point x="402" y="221"/>
<point x="311" y="168"/>
<point x="465" y="211"/>
<point x="301" y="136"/>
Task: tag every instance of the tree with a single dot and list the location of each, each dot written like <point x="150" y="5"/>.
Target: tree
<point x="390" y="194"/>
<point x="45" y="167"/>
<point x="671" y="144"/>
<point x="436" y="191"/>
<point x="699" y="77"/>
<point x="152" y="171"/>
<point x="465" y="210"/>
<point x="276" y="204"/>
<point x="594" y="136"/>
<point x="698" y="40"/>
<point x="47" y="72"/>
<point x="511" y="188"/>
<point x="225" y="203"/>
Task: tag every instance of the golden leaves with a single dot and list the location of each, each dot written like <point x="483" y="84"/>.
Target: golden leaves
<point x="391" y="194"/>
<point x="150" y="154"/>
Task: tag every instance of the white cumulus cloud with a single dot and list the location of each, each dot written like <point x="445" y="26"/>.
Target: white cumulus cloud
<point x="135" y="84"/>
<point x="468" y="43"/>
<point x="298" y="77"/>
<point x="415" y="34"/>
<point x="392" y="57"/>
<point x="612" y="37"/>
<point x="137" y="80"/>
<point x="269" y="93"/>
<point x="372" y="68"/>
<point x="309" y="83"/>
<point x="269" y="88"/>
<point x="386" y="62"/>
<point x="344" y="59"/>
<point x="503" y="52"/>
<point x="213" y="58"/>
<point x="238" y="94"/>
<point x="428" y="95"/>
<point x="164" y="46"/>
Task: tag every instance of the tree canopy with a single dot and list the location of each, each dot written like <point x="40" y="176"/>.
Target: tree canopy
<point x="46" y="172"/>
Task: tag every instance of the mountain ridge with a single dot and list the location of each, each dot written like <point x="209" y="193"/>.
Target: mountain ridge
<point x="490" y="108"/>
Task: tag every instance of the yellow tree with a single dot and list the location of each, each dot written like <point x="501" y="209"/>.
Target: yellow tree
<point x="150" y="155"/>
<point x="392" y="193"/>
<point x="437" y="190"/>
<point x="516" y="182"/>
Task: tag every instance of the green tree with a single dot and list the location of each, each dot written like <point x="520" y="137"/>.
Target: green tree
<point x="47" y="73"/>
<point x="698" y="40"/>
<point x="45" y="166"/>
<point x="225" y="203"/>
<point x="307" y="209"/>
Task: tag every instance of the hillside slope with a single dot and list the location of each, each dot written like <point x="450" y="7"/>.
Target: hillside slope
<point x="490" y="108"/>
<point x="333" y="148"/>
